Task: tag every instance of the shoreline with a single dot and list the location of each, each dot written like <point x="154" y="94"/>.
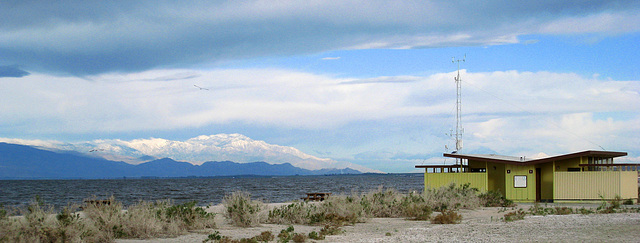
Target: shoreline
<point x="478" y="225"/>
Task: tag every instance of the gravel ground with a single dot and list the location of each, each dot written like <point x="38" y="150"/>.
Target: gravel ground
<point x="480" y="225"/>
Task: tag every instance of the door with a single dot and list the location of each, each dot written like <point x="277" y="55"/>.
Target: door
<point x="538" y="184"/>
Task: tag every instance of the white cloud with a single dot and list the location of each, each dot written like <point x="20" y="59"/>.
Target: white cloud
<point x="295" y="99"/>
<point x="511" y="112"/>
<point x="607" y="22"/>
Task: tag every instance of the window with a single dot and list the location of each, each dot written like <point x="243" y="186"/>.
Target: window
<point x="520" y="181"/>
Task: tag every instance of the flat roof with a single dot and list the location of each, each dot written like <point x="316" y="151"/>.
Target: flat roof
<point x="528" y="161"/>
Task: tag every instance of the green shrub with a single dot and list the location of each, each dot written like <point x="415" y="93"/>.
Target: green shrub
<point x="614" y="205"/>
<point x="585" y="211"/>
<point x="515" y="215"/>
<point x="241" y="210"/>
<point x="215" y="237"/>
<point x="447" y="217"/>
<point x="316" y="236"/>
<point x="628" y="201"/>
<point x="188" y="215"/>
<point x="616" y="202"/>
<point x="286" y="234"/>
<point x="495" y="199"/>
<point x="540" y="210"/>
<point x="3" y="213"/>
<point x="294" y="213"/>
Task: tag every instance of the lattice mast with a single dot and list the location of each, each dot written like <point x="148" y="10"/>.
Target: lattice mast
<point x="459" y="129"/>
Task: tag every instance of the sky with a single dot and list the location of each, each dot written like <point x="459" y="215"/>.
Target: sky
<point x="367" y="82"/>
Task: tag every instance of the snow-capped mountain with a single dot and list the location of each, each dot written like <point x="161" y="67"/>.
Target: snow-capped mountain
<point x="197" y="150"/>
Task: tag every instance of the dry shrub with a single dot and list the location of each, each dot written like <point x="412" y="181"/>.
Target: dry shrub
<point x="414" y="206"/>
<point x="563" y="210"/>
<point x="162" y="218"/>
<point x="265" y="236"/>
<point x="39" y="223"/>
<point x="447" y="217"/>
<point x="297" y="237"/>
<point x="341" y="209"/>
<point x="338" y="210"/>
<point x="103" y="223"/>
<point x="382" y="203"/>
<point x="331" y="229"/>
<point x="452" y="197"/>
<point x="515" y="215"/>
<point x="108" y="218"/>
<point x="241" y="210"/>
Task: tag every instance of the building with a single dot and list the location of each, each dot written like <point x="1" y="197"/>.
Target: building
<point x="587" y="175"/>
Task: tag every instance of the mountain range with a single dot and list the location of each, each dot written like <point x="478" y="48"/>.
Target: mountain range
<point x="198" y="150"/>
<point x="27" y="162"/>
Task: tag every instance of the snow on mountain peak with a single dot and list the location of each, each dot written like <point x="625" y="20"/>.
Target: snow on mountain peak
<point x="219" y="147"/>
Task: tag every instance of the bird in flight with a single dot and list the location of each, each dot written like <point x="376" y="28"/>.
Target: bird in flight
<point x="95" y="150"/>
<point x="201" y="88"/>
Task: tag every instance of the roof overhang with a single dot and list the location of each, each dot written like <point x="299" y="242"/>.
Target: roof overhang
<point x="525" y="161"/>
<point x="441" y="166"/>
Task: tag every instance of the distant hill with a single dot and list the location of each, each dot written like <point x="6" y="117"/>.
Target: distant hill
<point x="221" y="147"/>
<point x="25" y="162"/>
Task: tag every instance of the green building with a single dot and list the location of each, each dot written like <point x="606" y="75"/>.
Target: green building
<point x="587" y="175"/>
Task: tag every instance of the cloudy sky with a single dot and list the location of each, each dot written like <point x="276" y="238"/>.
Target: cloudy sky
<point x="368" y="82"/>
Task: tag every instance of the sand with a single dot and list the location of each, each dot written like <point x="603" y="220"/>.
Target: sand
<point x="479" y="225"/>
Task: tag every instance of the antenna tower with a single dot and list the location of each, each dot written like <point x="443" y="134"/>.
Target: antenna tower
<point x="459" y="129"/>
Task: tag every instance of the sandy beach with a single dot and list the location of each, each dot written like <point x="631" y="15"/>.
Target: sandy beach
<point x="479" y="225"/>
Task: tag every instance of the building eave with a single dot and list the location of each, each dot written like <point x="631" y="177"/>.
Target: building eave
<point x="492" y="158"/>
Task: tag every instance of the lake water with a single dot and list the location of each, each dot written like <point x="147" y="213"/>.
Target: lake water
<point x="60" y="193"/>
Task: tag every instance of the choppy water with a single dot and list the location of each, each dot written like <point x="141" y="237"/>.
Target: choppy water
<point x="60" y="193"/>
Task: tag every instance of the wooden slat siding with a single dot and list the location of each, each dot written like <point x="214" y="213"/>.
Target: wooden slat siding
<point x="520" y="194"/>
<point x="629" y="184"/>
<point x="590" y="185"/>
<point x="437" y="180"/>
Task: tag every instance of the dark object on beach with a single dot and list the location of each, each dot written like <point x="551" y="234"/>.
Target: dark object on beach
<point x="98" y="203"/>
<point x="316" y="196"/>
